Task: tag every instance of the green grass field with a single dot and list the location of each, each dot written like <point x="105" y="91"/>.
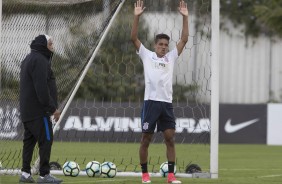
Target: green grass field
<point x="238" y="164"/>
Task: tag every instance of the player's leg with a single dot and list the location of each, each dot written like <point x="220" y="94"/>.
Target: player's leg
<point x="29" y="143"/>
<point x="169" y="142"/>
<point x="144" y="146"/>
<point x="143" y="155"/>
<point x="149" y="116"/>
<point x="167" y="126"/>
<point x="170" y="149"/>
<point x="170" y="152"/>
<point x="45" y="139"/>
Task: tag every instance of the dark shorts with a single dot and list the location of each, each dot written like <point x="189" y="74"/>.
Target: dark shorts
<point x="156" y="113"/>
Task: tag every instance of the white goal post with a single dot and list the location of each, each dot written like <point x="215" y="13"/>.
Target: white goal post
<point x="215" y="89"/>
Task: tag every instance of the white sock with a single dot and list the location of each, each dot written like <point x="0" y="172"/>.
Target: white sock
<point x="25" y="174"/>
<point x="43" y="176"/>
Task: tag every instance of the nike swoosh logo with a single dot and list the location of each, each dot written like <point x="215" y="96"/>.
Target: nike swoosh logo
<point x="234" y="128"/>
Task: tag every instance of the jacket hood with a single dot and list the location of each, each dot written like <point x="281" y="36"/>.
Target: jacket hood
<point x="40" y="44"/>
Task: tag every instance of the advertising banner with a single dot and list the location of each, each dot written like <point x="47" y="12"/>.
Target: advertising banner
<point x="274" y="124"/>
<point x="118" y="122"/>
<point x="115" y="122"/>
<point x="242" y="124"/>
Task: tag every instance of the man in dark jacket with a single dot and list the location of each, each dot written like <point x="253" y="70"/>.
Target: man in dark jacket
<point x="38" y="102"/>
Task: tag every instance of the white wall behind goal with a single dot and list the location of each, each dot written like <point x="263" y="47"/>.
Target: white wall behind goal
<point x="250" y="68"/>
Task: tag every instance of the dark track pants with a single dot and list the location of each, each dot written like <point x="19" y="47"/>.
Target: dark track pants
<point x="40" y="131"/>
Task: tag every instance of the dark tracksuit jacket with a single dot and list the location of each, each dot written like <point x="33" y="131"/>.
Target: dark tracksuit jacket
<point x="38" y="92"/>
<point x="38" y="101"/>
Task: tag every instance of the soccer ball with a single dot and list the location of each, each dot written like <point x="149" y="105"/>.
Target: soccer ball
<point x="71" y="168"/>
<point x="93" y="169"/>
<point x="164" y="169"/>
<point x="108" y="170"/>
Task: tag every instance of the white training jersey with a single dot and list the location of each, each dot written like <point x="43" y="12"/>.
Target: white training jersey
<point x="158" y="74"/>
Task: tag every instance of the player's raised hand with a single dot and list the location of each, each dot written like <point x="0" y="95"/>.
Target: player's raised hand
<point x="139" y="7"/>
<point x="183" y="10"/>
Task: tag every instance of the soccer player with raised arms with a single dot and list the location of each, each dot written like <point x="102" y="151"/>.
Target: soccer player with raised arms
<point x="157" y="110"/>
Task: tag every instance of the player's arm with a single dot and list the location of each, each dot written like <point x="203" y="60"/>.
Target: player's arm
<point x="183" y="10"/>
<point x="138" y="10"/>
<point x="54" y="94"/>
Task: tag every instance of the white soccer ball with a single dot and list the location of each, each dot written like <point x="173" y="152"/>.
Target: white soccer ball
<point x="93" y="169"/>
<point x="164" y="169"/>
<point x="108" y="170"/>
<point x="71" y="168"/>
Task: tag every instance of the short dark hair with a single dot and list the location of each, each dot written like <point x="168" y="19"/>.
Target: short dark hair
<point x="161" y="36"/>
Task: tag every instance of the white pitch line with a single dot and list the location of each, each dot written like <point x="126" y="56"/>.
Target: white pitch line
<point x="91" y="181"/>
<point x="270" y="176"/>
<point x="263" y="169"/>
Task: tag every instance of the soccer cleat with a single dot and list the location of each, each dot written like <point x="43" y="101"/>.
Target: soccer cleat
<point x="146" y="178"/>
<point x="26" y="180"/>
<point x="171" y="178"/>
<point x="48" y="178"/>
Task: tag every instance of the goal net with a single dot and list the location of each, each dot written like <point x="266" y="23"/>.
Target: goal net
<point x="101" y="113"/>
